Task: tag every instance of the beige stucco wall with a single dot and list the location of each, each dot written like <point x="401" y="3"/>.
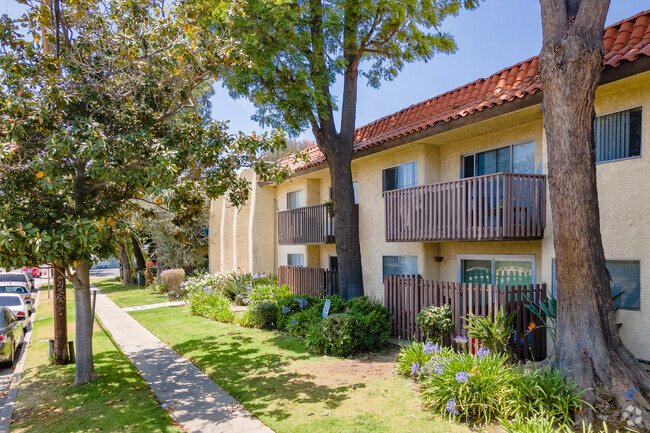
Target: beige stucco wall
<point x="624" y="199"/>
<point x="623" y="187"/>
<point x="214" y="235"/>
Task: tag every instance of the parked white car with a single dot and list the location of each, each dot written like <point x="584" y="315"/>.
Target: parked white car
<point x="15" y="304"/>
<point x="18" y="288"/>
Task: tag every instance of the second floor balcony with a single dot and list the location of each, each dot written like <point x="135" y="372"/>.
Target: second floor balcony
<point x="308" y="225"/>
<point x="500" y="206"/>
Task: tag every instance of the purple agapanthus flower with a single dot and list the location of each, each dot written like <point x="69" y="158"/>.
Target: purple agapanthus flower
<point x="296" y="299"/>
<point x="462" y="377"/>
<point x="629" y="393"/>
<point x="286" y="310"/>
<point x="439" y="369"/>
<point x="303" y="303"/>
<point x="451" y="406"/>
<point x="256" y="275"/>
<point x="294" y="322"/>
<point x="415" y="368"/>
<point x="206" y="289"/>
<point x="483" y="352"/>
<point x="460" y="339"/>
<point x="245" y="301"/>
<point x="431" y="348"/>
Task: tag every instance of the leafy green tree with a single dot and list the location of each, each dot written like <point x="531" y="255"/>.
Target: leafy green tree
<point x="294" y="51"/>
<point x="588" y="346"/>
<point x="103" y="115"/>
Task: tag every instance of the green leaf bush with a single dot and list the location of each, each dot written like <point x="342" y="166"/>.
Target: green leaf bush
<point x="211" y="305"/>
<point x="435" y="322"/>
<point x="494" y="334"/>
<point x="334" y="335"/>
<point x="265" y="315"/>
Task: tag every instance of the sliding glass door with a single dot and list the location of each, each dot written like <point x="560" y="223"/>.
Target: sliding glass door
<point x="496" y="270"/>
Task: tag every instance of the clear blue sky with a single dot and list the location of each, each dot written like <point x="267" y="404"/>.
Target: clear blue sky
<point x="498" y="34"/>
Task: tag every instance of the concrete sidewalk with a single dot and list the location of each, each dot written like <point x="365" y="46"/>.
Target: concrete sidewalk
<point x="193" y="399"/>
<point x="152" y="306"/>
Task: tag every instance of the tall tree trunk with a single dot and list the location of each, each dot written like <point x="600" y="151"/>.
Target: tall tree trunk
<point x="61" y="353"/>
<point x="140" y="263"/>
<point x="126" y="266"/>
<point x="346" y="218"/>
<point x="339" y="148"/>
<point x="85" y="369"/>
<point x="588" y="347"/>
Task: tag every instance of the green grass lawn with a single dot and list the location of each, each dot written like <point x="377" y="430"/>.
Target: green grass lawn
<point x="290" y="389"/>
<point x="129" y="296"/>
<point x="49" y="401"/>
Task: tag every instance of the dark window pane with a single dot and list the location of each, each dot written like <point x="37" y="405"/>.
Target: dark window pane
<point x="503" y="160"/>
<point x="389" y="181"/>
<point x="468" y="166"/>
<point x="626" y="279"/>
<point x="523" y="158"/>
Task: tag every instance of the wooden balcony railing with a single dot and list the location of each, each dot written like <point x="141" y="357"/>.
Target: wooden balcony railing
<point x="499" y="206"/>
<point x="306" y="225"/>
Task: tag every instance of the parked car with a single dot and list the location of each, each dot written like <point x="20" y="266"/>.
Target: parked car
<point x="17" y="277"/>
<point x="18" y="289"/>
<point x="12" y="334"/>
<point x="33" y="271"/>
<point x="16" y="304"/>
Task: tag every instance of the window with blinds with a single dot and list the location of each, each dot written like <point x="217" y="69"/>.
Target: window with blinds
<point x="400" y="265"/>
<point x="402" y="176"/>
<point x="618" y="135"/>
<point x="626" y="279"/>
<point x="296" y="259"/>
<point x="296" y="199"/>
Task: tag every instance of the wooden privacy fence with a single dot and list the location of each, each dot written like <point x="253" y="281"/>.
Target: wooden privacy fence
<point x="405" y="297"/>
<point x="316" y="282"/>
<point x="495" y="206"/>
<point x="306" y="225"/>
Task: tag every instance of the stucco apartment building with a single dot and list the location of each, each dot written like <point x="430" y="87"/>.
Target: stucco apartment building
<point x="454" y="189"/>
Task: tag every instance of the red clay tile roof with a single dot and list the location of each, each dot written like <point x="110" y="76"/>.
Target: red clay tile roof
<point x="626" y="41"/>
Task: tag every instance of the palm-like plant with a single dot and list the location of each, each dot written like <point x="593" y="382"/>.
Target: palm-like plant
<point x="494" y="334"/>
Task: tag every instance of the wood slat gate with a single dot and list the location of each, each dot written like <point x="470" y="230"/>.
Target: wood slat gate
<point x="405" y="297"/>
<point x="316" y="282"/>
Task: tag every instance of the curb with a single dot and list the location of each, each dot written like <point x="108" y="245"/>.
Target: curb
<point x="7" y="409"/>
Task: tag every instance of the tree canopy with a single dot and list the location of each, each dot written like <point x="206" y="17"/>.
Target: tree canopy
<point x="97" y="106"/>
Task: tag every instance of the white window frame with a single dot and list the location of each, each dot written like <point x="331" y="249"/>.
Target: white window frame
<point x="501" y="146"/>
<point x="399" y="165"/>
<point x="494" y="258"/>
<point x="641" y="144"/>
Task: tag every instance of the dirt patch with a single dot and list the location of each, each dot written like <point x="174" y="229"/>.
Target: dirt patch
<point x="342" y="371"/>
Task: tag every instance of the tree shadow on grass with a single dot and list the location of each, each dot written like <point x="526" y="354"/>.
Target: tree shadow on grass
<point x="261" y="381"/>
<point x="118" y="399"/>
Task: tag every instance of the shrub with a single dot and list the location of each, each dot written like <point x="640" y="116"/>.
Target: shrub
<point x="474" y="388"/>
<point x="157" y="288"/>
<point x="493" y="334"/>
<point x="373" y="320"/>
<point x="289" y="305"/>
<point x="134" y="278"/>
<point x="299" y="323"/>
<point x="172" y="279"/>
<point x="334" y="335"/>
<point x="435" y="322"/>
<point x="545" y="392"/>
<point x="420" y="359"/>
<point x="148" y="277"/>
<point x="210" y="304"/>
<point x="265" y="314"/>
<point x="245" y="318"/>
<point x="267" y="292"/>
<point x="237" y="287"/>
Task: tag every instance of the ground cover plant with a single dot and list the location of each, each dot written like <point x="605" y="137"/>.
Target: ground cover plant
<point x="50" y="401"/>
